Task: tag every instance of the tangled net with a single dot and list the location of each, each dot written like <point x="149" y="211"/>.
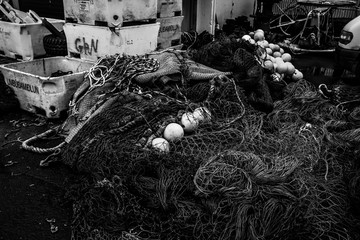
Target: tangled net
<point x="286" y="173"/>
<point x="233" y="55"/>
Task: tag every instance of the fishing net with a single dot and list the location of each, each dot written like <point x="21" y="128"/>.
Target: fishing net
<point x="193" y="40"/>
<point x="215" y="54"/>
<point x="140" y="117"/>
<point x="225" y="54"/>
<point x="355" y="189"/>
<point x="162" y="181"/>
<point x="113" y="74"/>
<point x="237" y="56"/>
<point x="284" y="171"/>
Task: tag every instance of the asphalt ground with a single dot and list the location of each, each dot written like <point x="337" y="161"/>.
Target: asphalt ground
<point x="32" y="204"/>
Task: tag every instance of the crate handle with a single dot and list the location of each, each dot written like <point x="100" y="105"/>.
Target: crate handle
<point x="47" y="24"/>
<point x="36" y="17"/>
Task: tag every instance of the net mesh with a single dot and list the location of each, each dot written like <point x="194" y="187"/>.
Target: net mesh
<point x="245" y="173"/>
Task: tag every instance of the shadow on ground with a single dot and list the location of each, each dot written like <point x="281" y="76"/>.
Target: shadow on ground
<point x="32" y="202"/>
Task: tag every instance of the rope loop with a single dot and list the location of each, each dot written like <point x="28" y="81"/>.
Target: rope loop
<point x="26" y="144"/>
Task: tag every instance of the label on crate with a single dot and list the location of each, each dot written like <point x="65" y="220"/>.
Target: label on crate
<point x="84" y="5"/>
<point x="169" y="28"/>
<point x="21" y="85"/>
<point x="86" y="46"/>
<point x="92" y="42"/>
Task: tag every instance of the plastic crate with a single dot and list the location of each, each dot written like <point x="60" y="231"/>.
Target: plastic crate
<point x="170" y="32"/>
<point x="24" y="41"/>
<point x="113" y="13"/>
<point x="92" y="42"/>
<point x="39" y="90"/>
<point x="169" y="8"/>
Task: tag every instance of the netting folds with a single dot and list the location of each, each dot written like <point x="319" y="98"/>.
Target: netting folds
<point x="282" y="170"/>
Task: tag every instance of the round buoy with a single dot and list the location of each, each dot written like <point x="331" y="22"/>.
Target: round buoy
<point x="246" y="37"/>
<point x="272" y="46"/>
<point x="161" y="144"/>
<point x="297" y="75"/>
<point x="279" y="60"/>
<point x="259" y="36"/>
<point x="173" y="132"/>
<point x="276" y="47"/>
<point x="277" y="54"/>
<point x="189" y="122"/>
<point x="265" y="43"/>
<point x="269" y="51"/>
<point x="286" y="57"/>
<point x="281" y="67"/>
<point x="290" y="68"/>
<point x="269" y="65"/>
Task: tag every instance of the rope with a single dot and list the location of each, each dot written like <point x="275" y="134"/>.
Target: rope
<point x="49" y="159"/>
<point x="117" y="69"/>
<point x="26" y="144"/>
<point x="122" y="69"/>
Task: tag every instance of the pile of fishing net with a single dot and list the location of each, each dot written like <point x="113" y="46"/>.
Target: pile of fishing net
<point x="245" y="174"/>
<point x="235" y="55"/>
<point x="258" y="168"/>
<point x="194" y="40"/>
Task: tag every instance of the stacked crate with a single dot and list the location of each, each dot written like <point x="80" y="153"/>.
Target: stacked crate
<point x="169" y="15"/>
<point x="96" y="28"/>
<point x="24" y="41"/>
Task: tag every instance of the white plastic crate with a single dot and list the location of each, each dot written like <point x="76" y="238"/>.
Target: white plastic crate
<point x="170" y="32"/>
<point x="169" y="8"/>
<point x="92" y="42"/>
<point x="24" y="41"/>
<point x="37" y="91"/>
<point x="112" y="13"/>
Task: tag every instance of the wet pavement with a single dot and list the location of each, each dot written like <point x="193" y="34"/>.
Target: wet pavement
<point x="32" y="204"/>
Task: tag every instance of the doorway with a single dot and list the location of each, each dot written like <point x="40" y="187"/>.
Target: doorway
<point x="199" y="15"/>
<point x="189" y="13"/>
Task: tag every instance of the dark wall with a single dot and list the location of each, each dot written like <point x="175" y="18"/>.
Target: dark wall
<point x="189" y="13"/>
<point x="44" y="8"/>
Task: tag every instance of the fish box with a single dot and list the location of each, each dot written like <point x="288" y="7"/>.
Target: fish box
<point x="45" y="86"/>
<point x="170" y="32"/>
<point x="111" y="13"/>
<point x="24" y="41"/>
<point x="93" y="42"/>
<point x="169" y="8"/>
